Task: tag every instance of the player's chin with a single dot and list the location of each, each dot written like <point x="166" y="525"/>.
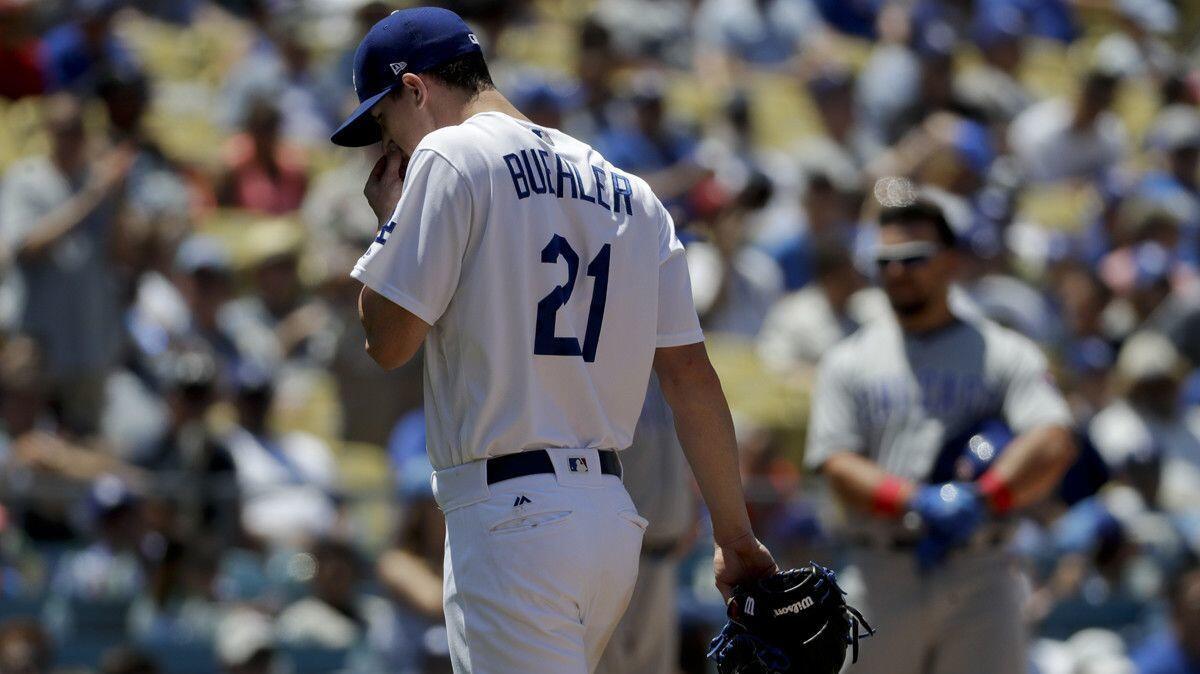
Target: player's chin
<point x="906" y="305"/>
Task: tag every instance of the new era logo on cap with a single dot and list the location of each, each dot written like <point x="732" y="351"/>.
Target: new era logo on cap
<point x="397" y="68"/>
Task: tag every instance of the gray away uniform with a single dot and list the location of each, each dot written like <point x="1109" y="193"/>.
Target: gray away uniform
<point x="895" y="399"/>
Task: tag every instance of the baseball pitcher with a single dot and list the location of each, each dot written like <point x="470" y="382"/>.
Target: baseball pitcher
<point x="544" y="284"/>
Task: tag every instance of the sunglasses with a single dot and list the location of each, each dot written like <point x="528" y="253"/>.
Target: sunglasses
<point x="907" y="255"/>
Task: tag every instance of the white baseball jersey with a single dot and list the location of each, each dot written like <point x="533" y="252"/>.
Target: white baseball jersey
<point x="549" y="278"/>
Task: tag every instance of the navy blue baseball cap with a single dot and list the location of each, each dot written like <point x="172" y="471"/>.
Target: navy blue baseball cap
<point x="408" y="41"/>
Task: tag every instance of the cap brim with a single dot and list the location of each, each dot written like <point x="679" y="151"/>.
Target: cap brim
<point x="359" y="130"/>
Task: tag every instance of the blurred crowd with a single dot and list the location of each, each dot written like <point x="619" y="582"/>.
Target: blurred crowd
<point x="201" y="470"/>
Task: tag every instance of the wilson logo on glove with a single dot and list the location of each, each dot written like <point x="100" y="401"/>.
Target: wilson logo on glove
<point x="795" y="607"/>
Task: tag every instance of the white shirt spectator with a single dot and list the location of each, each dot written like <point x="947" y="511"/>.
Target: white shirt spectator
<point x="803" y="325"/>
<point x="742" y="306"/>
<point x="285" y="483"/>
<point x="1049" y="149"/>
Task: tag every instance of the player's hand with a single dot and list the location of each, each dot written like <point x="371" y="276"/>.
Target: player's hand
<point x="950" y="514"/>
<point x="111" y="169"/>
<point x="386" y="183"/>
<point x="740" y="560"/>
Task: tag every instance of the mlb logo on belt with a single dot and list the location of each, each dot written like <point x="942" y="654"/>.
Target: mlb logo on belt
<point x="577" y="464"/>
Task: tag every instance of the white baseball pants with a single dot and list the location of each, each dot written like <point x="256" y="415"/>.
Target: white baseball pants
<point x="538" y="569"/>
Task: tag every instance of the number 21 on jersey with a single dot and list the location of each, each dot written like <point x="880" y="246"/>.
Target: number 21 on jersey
<point x="544" y="341"/>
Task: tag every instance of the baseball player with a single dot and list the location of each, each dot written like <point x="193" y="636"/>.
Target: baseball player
<point x="939" y="586"/>
<point x="544" y="283"/>
<point x="647" y="638"/>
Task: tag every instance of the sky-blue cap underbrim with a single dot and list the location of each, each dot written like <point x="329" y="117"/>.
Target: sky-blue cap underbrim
<point x="359" y="130"/>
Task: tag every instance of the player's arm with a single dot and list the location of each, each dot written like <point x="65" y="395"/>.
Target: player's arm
<point x="410" y="272"/>
<point x="835" y="446"/>
<point x="1033" y="464"/>
<point x="705" y="429"/>
<point x="106" y="177"/>
<point x="861" y="484"/>
<point x="394" y="334"/>
<point x="1030" y="468"/>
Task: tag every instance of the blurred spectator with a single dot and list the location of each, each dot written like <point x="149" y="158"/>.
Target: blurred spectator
<point x="1153" y="289"/>
<point x="653" y="29"/>
<point x="287" y="480"/>
<point x="832" y="92"/>
<point x="1143" y="434"/>
<point x="734" y="285"/>
<point x="1138" y="46"/>
<point x="1175" y="649"/>
<point x="156" y="195"/>
<point x="21" y="70"/>
<point x="76" y="52"/>
<point x="25" y="648"/>
<point x="828" y="221"/>
<point x="188" y="309"/>
<point x="803" y="324"/>
<point x="371" y="399"/>
<point x="334" y="209"/>
<point x="656" y="474"/>
<point x="279" y="69"/>
<point x="767" y="33"/>
<point x="190" y="463"/>
<point x="647" y="144"/>
<point x="1092" y="584"/>
<point x="183" y="597"/>
<point x="245" y="644"/>
<point x="125" y="660"/>
<point x="996" y="88"/>
<point x="59" y="221"/>
<point x="933" y="42"/>
<point x="1079" y="138"/>
<point x="596" y="65"/>
<point x="411" y="570"/>
<point x="296" y="325"/>
<point x="1081" y="298"/>
<point x="38" y="462"/>
<point x="263" y="172"/>
<point x="1174" y="185"/>
<point x="110" y="568"/>
<point x="339" y="615"/>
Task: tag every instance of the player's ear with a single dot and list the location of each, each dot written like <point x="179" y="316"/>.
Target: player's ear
<point x="414" y="84"/>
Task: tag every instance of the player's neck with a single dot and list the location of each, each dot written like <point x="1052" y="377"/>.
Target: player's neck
<point x="936" y="316"/>
<point x="491" y="100"/>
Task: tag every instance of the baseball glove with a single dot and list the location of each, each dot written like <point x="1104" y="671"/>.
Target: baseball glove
<point x="794" y="622"/>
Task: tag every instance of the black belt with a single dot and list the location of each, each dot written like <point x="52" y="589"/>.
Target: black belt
<point x="537" y="462"/>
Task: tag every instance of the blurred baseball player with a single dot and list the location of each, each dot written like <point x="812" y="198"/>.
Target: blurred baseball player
<point x="940" y="588"/>
<point x="544" y="283"/>
<point x="647" y="638"/>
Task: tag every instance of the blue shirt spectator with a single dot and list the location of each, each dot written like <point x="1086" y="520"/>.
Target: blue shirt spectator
<point x="75" y="54"/>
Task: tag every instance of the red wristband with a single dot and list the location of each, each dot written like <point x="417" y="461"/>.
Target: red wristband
<point x="888" y="498"/>
<point x="996" y="492"/>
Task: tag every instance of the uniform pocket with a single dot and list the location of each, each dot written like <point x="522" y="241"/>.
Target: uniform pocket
<point x="531" y="521"/>
<point x="635" y="519"/>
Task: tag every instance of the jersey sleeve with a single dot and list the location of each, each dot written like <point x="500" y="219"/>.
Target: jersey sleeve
<point x="678" y="323"/>
<point x="833" y="422"/>
<point x="1030" y="398"/>
<point x="417" y="256"/>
